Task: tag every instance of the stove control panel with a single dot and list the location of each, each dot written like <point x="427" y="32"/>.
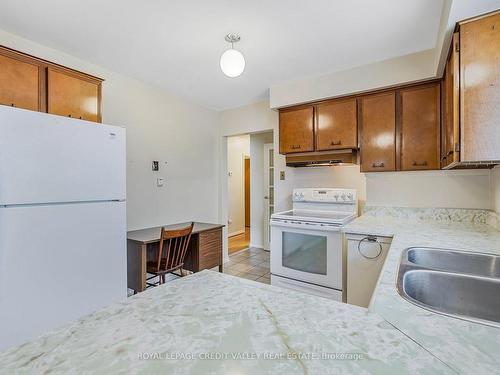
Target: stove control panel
<point x="327" y="195"/>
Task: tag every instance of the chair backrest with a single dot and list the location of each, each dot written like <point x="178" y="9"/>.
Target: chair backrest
<point x="173" y="247"/>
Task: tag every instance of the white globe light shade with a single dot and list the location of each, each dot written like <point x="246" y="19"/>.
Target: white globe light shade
<point x="232" y="63"/>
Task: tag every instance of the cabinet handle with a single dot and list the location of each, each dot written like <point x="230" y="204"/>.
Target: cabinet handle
<point x="423" y="164"/>
<point x="373" y="240"/>
<point x="295" y="147"/>
<point x="443" y="158"/>
<point x="335" y="143"/>
<point x="378" y="165"/>
<point x="450" y="153"/>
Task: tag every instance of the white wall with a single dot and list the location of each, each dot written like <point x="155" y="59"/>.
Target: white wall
<point x="238" y="148"/>
<point x="160" y="127"/>
<point x="257" y="188"/>
<point x="256" y="118"/>
<point x="344" y="177"/>
<point x="444" y="189"/>
<point x="414" y="67"/>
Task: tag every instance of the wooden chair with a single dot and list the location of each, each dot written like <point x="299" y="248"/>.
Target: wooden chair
<point x="173" y="247"/>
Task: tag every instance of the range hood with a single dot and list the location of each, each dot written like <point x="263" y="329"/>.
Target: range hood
<point x="321" y="159"/>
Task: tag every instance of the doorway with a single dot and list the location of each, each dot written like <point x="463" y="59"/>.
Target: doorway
<point x="239" y="219"/>
<point x="250" y="190"/>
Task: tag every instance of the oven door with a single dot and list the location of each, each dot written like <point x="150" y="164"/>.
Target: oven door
<point x="308" y="252"/>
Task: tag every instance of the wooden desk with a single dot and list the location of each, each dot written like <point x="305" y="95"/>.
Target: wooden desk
<point x="204" y="251"/>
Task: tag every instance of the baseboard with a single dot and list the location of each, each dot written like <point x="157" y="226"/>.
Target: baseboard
<point x="237" y="233"/>
<point x="260" y="246"/>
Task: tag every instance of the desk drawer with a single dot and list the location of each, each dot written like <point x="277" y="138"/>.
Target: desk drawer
<point x="210" y="249"/>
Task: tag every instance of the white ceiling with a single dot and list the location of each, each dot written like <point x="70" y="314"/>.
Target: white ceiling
<point x="176" y="44"/>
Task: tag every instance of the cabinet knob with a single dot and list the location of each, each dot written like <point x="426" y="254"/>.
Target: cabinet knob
<point x="69" y="115"/>
<point x="422" y="164"/>
<point x="378" y="165"/>
<point x="335" y="143"/>
<point x="80" y="117"/>
<point x="12" y="105"/>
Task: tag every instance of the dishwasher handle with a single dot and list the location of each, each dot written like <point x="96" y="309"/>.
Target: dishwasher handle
<point x="371" y="239"/>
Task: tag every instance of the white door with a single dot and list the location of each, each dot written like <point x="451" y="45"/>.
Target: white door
<point x="268" y="191"/>
<point x="47" y="159"/>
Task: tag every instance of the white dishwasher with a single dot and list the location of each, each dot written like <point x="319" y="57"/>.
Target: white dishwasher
<point x="365" y="257"/>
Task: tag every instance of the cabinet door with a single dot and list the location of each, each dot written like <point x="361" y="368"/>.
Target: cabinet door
<point x="450" y="146"/>
<point x="377" y="121"/>
<point x="19" y="83"/>
<point x="480" y="89"/>
<point x="336" y="125"/>
<point x="420" y="123"/>
<point x="73" y="96"/>
<point x="296" y="130"/>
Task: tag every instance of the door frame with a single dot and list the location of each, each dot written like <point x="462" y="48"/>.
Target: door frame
<point x="266" y="226"/>
<point x="224" y="181"/>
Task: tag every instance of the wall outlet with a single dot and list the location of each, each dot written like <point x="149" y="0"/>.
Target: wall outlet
<point x="282" y="175"/>
<point x="154" y="166"/>
<point x="160" y="182"/>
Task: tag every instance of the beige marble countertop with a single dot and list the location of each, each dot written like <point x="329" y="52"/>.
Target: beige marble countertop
<point x="468" y="348"/>
<point x="181" y="327"/>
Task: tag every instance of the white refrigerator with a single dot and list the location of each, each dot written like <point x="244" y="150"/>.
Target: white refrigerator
<point x="62" y="221"/>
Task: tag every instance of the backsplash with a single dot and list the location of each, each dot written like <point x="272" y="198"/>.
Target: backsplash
<point x="457" y="215"/>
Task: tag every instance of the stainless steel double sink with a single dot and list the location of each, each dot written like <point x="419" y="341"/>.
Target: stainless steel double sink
<point x="464" y="285"/>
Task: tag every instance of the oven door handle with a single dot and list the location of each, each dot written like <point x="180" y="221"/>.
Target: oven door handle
<point x="307" y="226"/>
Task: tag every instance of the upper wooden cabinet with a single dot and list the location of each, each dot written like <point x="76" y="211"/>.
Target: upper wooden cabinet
<point x="480" y="89"/>
<point x="336" y="125"/>
<point x="419" y="113"/>
<point x="73" y="95"/>
<point x="377" y="123"/>
<point x="296" y="130"/>
<point x="35" y="84"/>
<point x="450" y="89"/>
<point x="20" y="82"/>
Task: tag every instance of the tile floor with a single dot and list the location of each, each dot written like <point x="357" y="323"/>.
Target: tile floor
<point x="252" y="264"/>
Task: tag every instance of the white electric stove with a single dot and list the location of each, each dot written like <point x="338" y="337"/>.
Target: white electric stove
<point x="306" y="242"/>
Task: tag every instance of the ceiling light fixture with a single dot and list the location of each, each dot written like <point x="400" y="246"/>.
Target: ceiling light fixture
<point x="232" y="62"/>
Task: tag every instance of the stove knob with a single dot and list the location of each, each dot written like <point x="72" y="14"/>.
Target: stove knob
<point x="344" y="198"/>
<point x="336" y="197"/>
<point x="350" y="196"/>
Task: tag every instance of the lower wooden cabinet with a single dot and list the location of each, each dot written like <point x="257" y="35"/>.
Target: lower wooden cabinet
<point x="419" y="112"/>
<point x="73" y="95"/>
<point x="377" y="126"/>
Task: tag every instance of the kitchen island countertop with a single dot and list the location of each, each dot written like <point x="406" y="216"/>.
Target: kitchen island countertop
<point x="186" y="326"/>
